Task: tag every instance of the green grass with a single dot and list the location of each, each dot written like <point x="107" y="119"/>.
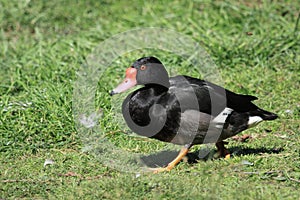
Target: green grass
<point x="44" y="45"/>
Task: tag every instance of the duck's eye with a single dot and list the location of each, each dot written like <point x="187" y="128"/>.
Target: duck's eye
<point x="143" y="67"/>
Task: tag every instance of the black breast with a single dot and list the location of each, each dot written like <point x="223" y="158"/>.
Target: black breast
<point x="146" y="112"/>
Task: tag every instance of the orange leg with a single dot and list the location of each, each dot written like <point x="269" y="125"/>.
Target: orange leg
<point x="172" y="164"/>
<point x="223" y="152"/>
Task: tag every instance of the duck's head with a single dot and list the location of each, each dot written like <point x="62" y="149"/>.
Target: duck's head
<point x="144" y="71"/>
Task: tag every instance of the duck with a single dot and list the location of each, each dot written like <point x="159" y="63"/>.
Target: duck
<point x="184" y="110"/>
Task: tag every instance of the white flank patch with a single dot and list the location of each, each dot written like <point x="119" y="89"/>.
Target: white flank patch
<point x="219" y="126"/>
<point x="221" y="118"/>
<point x="254" y="120"/>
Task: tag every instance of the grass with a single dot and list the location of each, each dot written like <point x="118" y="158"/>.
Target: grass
<point x="44" y="44"/>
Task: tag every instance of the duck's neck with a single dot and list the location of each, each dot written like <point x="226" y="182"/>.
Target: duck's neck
<point x="158" y="88"/>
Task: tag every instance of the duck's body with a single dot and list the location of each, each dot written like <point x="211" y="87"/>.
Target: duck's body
<point x="185" y="114"/>
<point x="184" y="110"/>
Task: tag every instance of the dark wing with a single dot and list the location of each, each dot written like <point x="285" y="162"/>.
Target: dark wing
<point x="207" y="97"/>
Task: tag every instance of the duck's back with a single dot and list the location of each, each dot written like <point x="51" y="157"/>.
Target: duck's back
<point x="212" y="99"/>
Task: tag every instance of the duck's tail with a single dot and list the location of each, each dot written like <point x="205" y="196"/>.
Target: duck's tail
<point x="259" y="115"/>
<point x="265" y="115"/>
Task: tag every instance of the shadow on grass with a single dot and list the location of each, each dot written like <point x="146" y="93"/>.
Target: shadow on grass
<point x="163" y="158"/>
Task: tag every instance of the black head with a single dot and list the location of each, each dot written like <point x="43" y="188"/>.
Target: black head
<point x="151" y="71"/>
<point x="144" y="71"/>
